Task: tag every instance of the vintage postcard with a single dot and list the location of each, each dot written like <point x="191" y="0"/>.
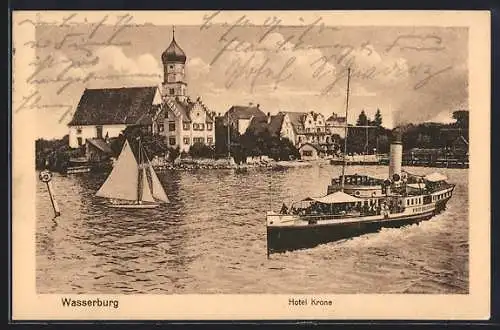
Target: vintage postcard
<point x="207" y="165"/>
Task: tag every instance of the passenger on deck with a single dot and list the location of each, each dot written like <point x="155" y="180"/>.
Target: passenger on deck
<point x="284" y="209"/>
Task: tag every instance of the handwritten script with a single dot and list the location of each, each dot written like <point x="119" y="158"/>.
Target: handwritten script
<point x="329" y="69"/>
<point x="327" y="64"/>
<point x="82" y="63"/>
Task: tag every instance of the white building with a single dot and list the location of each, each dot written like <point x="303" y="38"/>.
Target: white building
<point x="108" y="111"/>
<point x="183" y="121"/>
<point x="164" y="109"/>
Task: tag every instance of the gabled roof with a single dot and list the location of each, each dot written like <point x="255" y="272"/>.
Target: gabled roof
<point x="336" y="118"/>
<point x="296" y="119"/>
<point x="244" y="112"/>
<point x="127" y="105"/>
<point x="259" y="124"/>
<point x="314" y="145"/>
<point x="101" y="145"/>
<point x="184" y="108"/>
<point x="276" y="123"/>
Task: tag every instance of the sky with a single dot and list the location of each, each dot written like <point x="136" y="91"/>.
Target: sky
<point x="412" y="74"/>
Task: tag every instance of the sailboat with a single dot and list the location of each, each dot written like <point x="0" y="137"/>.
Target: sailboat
<point x="133" y="184"/>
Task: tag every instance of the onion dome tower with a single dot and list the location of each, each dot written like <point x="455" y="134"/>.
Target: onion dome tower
<point x="174" y="75"/>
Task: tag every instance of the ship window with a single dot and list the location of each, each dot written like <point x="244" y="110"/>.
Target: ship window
<point x="407" y="202"/>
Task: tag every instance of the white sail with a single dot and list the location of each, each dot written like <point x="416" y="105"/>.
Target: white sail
<point x="158" y="191"/>
<point x="122" y="182"/>
<point x="146" y="191"/>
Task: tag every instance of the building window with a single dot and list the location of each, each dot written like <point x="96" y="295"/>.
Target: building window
<point x="79" y="141"/>
<point x="78" y="131"/>
<point x="185" y="126"/>
<point x="171" y="127"/>
<point x="198" y="140"/>
<point x="186" y="140"/>
<point x="172" y="91"/>
<point x="161" y="127"/>
<point x="209" y="126"/>
<point x="198" y="127"/>
<point x="319" y="129"/>
<point x="171" y="66"/>
<point x="210" y="140"/>
<point x="171" y="141"/>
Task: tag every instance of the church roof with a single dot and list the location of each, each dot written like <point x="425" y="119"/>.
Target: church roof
<point x="174" y="53"/>
<point x="127" y="105"/>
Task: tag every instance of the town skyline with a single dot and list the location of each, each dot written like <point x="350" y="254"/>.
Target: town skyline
<point x="296" y="77"/>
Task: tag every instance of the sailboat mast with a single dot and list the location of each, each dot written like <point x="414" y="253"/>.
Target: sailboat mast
<point x="345" y="129"/>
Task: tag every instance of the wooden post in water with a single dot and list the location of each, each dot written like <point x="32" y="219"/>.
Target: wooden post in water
<point x="46" y="176"/>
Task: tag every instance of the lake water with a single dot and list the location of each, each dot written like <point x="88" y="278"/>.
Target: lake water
<point x="211" y="238"/>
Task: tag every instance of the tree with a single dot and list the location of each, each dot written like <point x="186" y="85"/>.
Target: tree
<point x="201" y="150"/>
<point x="362" y="119"/>
<point x="462" y="118"/>
<point x="377" y="121"/>
<point x="173" y="153"/>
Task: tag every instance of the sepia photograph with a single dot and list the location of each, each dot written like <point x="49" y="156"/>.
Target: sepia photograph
<point x="224" y="154"/>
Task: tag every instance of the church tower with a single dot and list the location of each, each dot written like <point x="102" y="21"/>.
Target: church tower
<point x="174" y="75"/>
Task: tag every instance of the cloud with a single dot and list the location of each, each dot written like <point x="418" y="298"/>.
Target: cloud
<point x="274" y="61"/>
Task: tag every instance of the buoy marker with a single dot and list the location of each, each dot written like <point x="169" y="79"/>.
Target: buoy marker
<point x="46" y="176"/>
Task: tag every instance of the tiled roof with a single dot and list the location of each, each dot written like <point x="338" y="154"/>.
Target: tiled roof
<point x="130" y="105"/>
<point x="314" y="145"/>
<point x="184" y="107"/>
<point x="259" y="124"/>
<point x="244" y="112"/>
<point x="296" y="119"/>
<point x="336" y="118"/>
<point x="276" y="123"/>
<point x="101" y="145"/>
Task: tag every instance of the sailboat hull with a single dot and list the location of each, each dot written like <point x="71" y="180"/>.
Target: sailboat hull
<point x="133" y="206"/>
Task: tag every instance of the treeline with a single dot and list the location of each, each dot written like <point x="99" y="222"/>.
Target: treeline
<point x="252" y="144"/>
<point x="55" y="154"/>
<point x="436" y="135"/>
<point x="363" y="140"/>
<point x="427" y="135"/>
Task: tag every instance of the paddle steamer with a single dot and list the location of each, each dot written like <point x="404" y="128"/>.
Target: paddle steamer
<point x="357" y="204"/>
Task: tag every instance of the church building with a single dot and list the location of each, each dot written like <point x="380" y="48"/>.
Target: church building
<point x="165" y="109"/>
